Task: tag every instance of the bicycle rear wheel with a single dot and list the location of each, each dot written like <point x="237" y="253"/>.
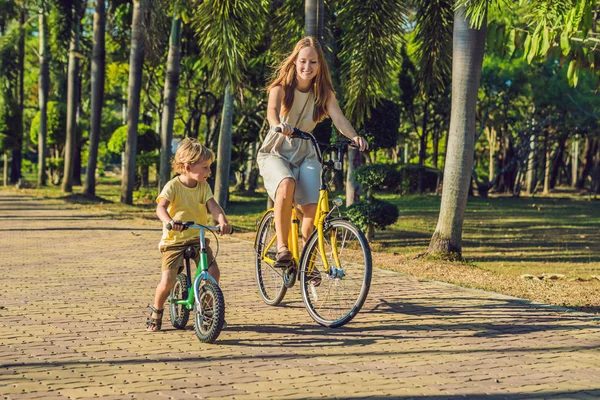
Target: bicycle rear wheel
<point x="209" y="312"/>
<point x="269" y="279"/>
<point x="179" y="314"/>
<point x="334" y="297"/>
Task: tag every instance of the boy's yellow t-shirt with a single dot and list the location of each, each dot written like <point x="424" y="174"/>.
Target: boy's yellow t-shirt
<point x="185" y="204"/>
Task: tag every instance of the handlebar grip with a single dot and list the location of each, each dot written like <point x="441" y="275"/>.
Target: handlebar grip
<point x="170" y="226"/>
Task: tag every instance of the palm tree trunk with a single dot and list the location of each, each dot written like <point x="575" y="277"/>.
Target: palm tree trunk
<point x="314" y="11"/>
<point x="72" y="75"/>
<point x="170" y="96"/>
<point x="531" y="169"/>
<point x="224" y="150"/>
<point x="136" y="61"/>
<point x="467" y="59"/>
<point x="15" y="171"/>
<point x="44" y="82"/>
<point x="5" y="170"/>
<point x="574" y="161"/>
<point x="355" y="160"/>
<point x="97" y="78"/>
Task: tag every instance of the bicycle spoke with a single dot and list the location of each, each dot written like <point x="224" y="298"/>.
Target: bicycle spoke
<point x="343" y="289"/>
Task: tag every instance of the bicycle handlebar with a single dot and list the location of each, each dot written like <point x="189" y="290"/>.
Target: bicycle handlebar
<point x="299" y="134"/>
<point x="193" y="225"/>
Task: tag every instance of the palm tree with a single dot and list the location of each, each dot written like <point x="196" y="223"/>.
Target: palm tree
<point x="72" y="98"/>
<point x="467" y="60"/>
<point x="369" y="52"/>
<point x="44" y="83"/>
<point x="470" y="20"/>
<point x="170" y="97"/>
<point x="227" y="31"/>
<point x="136" y="61"/>
<point x="97" y="78"/>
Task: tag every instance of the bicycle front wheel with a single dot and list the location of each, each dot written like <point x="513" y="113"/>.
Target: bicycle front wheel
<point x="209" y="312"/>
<point x="334" y="295"/>
<point x="269" y="279"/>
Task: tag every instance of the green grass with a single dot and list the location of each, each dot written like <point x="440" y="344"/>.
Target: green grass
<point x="510" y="236"/>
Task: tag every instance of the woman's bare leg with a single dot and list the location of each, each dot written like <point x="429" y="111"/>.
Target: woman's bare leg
<point x="308" y="220"/>
<point x="284" y="198"/>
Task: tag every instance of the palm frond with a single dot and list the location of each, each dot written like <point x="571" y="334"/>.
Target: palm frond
<point x="368" y="53"/>
<point x="227" y="31"/>
<point x="433" y="37"/>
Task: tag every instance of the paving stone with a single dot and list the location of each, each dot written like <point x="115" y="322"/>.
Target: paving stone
<point x="75" y="328"/>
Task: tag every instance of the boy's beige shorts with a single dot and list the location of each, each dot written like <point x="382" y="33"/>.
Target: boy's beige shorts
<point x="172" y="256"/>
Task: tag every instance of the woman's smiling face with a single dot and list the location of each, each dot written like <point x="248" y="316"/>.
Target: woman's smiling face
<point x="307" y="64"/>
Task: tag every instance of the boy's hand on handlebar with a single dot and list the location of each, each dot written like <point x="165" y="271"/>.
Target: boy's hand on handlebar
<point x="177" y="226"/>
<point x="285" y="129"/>
<point x="361" y="143"/>
<point x="225" y="229"/>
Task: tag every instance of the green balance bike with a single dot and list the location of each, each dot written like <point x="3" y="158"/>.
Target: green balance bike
<point x="204" y="296"/>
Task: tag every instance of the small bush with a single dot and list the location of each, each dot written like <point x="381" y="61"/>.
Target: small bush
<point x="376" y="213"/>
<point x="378" y="176"/>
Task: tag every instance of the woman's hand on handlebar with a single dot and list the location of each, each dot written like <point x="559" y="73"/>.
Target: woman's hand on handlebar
<point x="361" y="143"/>
<point x="285" y="129"/>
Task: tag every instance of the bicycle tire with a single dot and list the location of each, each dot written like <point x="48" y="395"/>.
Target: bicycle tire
<point x="209" y="320"/>
<point x="268" y="278"/>
<point x="179" y="314"/>
<point x="338" y="296"/>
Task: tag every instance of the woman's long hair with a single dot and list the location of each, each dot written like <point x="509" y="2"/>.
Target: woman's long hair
<point x="285" y="75"/>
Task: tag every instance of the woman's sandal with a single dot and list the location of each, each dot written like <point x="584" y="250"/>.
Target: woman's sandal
<point x="154" y="324"/>
<point x="283" y="258"/>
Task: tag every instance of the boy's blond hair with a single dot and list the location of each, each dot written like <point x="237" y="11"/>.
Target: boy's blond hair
<point x="190" y="151"/>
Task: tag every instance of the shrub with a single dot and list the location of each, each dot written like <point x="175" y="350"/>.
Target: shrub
<point x="377" y="213"/>
<point x="378" y="176"/>
<point x="374" y="213"/>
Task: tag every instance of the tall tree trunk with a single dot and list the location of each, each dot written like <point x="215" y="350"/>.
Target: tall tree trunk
<point x="546" y="164"/>
<point x="557" y="162"/>
<point x="531" y="168"/>
<point x="15" y="171"/>
<point x="422" y="149"/>
<point x="355" y="160"/>
<point x="436" y="147"/>
<point x="574" y="161"/>
<point x="5" y="169"/>
<point x="596" y="171"/>
<point x="136" y="61"/>
<point x="314" y="12"/>
<point x="586" y="163"/>
<point x="43" y="83"/>
<point x="170" y="96"/>
<point x="72" y="97"/>
<point x="491" y="135"/>
<point x="467" y="59"/>
<point x="97" y="78"/>
<point x="224" y="150"/>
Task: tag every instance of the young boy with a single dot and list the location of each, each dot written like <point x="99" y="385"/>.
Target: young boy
<point x="184" y="198"/>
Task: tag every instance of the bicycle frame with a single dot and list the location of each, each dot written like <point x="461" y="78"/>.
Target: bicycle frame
<point x="201" y="270"/>
<point x="293" y="236"/>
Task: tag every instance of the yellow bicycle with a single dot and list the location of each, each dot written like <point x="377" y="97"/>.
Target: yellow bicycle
<point x="335" y="266"/>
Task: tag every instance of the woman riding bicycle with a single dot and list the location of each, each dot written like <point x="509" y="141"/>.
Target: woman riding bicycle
<point x="300" y="96"/>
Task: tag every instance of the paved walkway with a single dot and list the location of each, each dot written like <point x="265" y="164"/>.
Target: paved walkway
<point x="73" y="292"/>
